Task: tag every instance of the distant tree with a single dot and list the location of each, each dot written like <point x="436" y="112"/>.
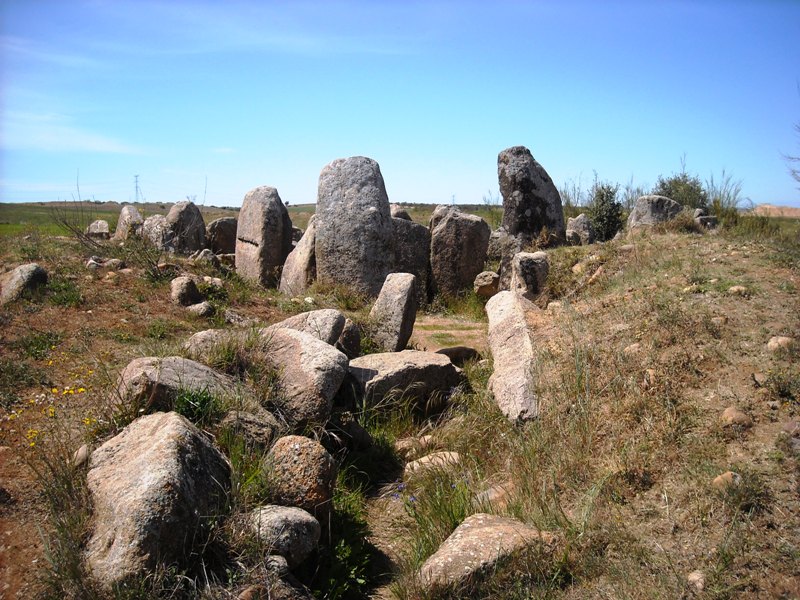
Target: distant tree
<point x="605" y="213"/>
<point x="794" y="161"/>
<point x="683" y="188"/>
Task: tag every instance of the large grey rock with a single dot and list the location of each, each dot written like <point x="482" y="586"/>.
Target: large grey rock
<point x="188" y="228"/>
<point x="157" y="231"/>
<point x="355" y="236"/>
<point x="263" y="237"/>
<point x="155" y="488"/>
<point x="300" y="269"/>
<point x="579" y="230"/>
<point x="221" y="235"/>
<point x="476" y="546"/>
<point x="394" y="312"/>
<point x="308" y="374"/>
<point x="16" y="281"/>
<point x="129" y="223"/>
<point x="287" y="531"/>
<point x="184" y="292"/>
<point x="412" y="254"/>
<point x="531" y="201"/>
<point x="651" y="210"/>
<point x="410" y="373"/>
<point x="152" y="383"/>
<point x="512" y="382"/>
<point x="458" y="249"/>
<point x="98" y="229"/>
<point x="529" y="273"/>
<point x="301" y="473"/>
<point x="325" y="324"/>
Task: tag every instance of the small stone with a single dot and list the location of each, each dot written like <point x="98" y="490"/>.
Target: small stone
<point x="201" y="309"/>
<point x="737" y="290"/>
<point x="436" y="460"/>
<point x="309" y="300"/>
<point x="486" y="284"/>
<point x="81" y="456"/>
<point x="554" y="306"/>
<point x="792" y="428"/>
<point x="411" y="447"/>
<point x="697" y="580"/>
<point x="649" y="378"/>
<point x="183" y="291"/>
<point x="734" y="417"/>
<point x="725" y="481"/>
<point x="780" y="343"/>
<point x="719" y="321"/>
<point x="759" y="379"/>
<point x="633" y="349"/>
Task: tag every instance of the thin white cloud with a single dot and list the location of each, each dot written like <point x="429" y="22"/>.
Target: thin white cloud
<point x="49" y="132"/>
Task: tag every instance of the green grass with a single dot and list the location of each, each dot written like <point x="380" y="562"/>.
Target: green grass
<point x="37" y="345"/>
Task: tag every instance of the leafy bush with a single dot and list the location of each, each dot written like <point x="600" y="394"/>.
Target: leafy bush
<point x="605" y="212"/>
<point x="685" y="189"/>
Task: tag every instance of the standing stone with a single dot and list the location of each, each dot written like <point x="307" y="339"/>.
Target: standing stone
<point x="155" y="487"/>
<point x="394" y="312"/>
<point x="531" y="201"/>
<point x="650" y="210"/>
<point x="580" y="231"/>
<point x="412" y="253"/>
<point x="221" y="235"/>
<point x="129" y="223"/>
<point x="355" y="235"/>
<point x="529" y="273"/>
<point x="512" y="382"/>
<point x="458" y="249"/>
<point x="300" y="269"/>
<point x="157" y="231"/>
<point x="98" y="229"/>
<point x="509" y="246"/>
<point x="16" y="281"/>
<point x="187" y="226"/>
<point x="263" y="237"/>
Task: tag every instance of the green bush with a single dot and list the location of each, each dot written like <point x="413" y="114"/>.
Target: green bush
<point x="605" y="213"/>
<point x="685" y="189"/>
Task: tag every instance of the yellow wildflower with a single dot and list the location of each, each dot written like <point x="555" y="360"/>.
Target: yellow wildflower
<point x="54" y="390"/>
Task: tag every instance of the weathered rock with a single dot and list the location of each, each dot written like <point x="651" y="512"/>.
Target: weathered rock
<point x="153" y="383"/>
<point x="458" y="249"/>
<point x="201" y="309"/>
<point x="301" y="473"/>
<point x="651" y="210"/>
<point x="355" y="235"/>
<point x="183" y="291"/>
<point x="394" y="312"/>
<point x="459" y="355"/>
<point x="263" y="236"/>
<point x="707" y="221"/>
<point x="486" y="284"/>
<point x="696" y="580"/>
<point x="258" y="428"/>
<point x="531" y="201"/>
<point x="16" y="281"/>
<point x="206" y="256"/>
<point x="780" y="343"/>
<point x="412" y="254"/>
<point x="510" y="246"/>
<point x="512" y="382"/>
<point x="580" y="231"/>
<point x="98" y="230"/>
<point x="736" y="418"/>
<point x="477" y="545"/>
<point x="325" y="324"/>
<point x="154" y="488"/>
<point x="221" y="235"/>
<point x="287" y="531"/>
<point x="300" y="269"/>
<point x="529" y="273"/>
<point x="129" y="223"/>
<point x="413" y="447"/>
<point x="726" y="481"/>
<point x="495" y="250"/>
<point x="410" y="373"/>
<point x="349" y="341"/>
<point x="398" y="212"/>
<point x="187" y="226"/>
<point x="308" y="374"/>
<point x="738" y="290"/>
<point x="297" y="233"/>
<point x="431" y="462"/>
<point x="498" y="496"/>
<point x="205" y="346"/>
<point x="157" y="231"/>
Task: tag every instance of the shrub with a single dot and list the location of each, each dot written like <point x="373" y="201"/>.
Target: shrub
<point x="685" y="189"/>
<point x="605" y="212"/>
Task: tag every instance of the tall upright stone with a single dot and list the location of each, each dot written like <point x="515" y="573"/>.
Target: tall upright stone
<point x="188" y="228"/>
<point x="413" y="254"/>
<point x="129" y="223"/>
<point x="355" y="236"/>
<point x="263" y="236"/>
<point x="458" y="249"/>
<point x="300" y="269"/>
<point x="221" y="235"/>
<point x="531" y="201"/>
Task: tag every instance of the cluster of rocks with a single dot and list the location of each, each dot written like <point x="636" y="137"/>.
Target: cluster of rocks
<point x="185" y="290"/>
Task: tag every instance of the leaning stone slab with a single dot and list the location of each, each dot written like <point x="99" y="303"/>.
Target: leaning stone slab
<point x="325" y="324"/>
<point x="185" y="222"/>
<point x="221" y="235"/>
<point x="300" y="268"/>
<point x="263" y="236"/>
<point x="154" y="487"/>
<point x="653" y="209"/>
<point x="529" y="273"/>
<point x="156" y="230"/>
<point x="394" y="312"/>
<point x="153" y="383"/>
<point x="512" y="382"/>
<point x="16" y="281"/>
<point x="476" y="546"/>
<point x="410" y="373"/>
<point x="287" y="531"/>
<point x="129" y="223"/>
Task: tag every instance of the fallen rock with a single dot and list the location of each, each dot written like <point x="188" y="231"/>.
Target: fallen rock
<point x="300" y="268"/>
<point x="734" y="417"/>
<point x="431" y="462"/>
<point x="512" y="382"/>
<point x="394" y="312"/>
<point x="156" y="489"/>
<point x="263" y="236"/>
<point x="411" y="373"/>
<point x="486" y="284"/>
<point x="325" y="324"/>
<point x="301" y="473"/>
<point x="780" y="343"/>
<point x="355" y="234"/>
<point x="184" y="292"/>
<point x="98" y="230"/>
<point x="496" y="497"/>
<point x="412" y="254"/>
<point x="207" y="346"/>
<point x="188" y="228"/>
<point x="201" y="309"/>
<point x="16" y="281"/>
<point x="129" y="223"/>
<point x="221" y="235"/>
<point x="458" y="249"/>
<point x="287" y="531"/>
<point x="529" y="273"/>
<point x="653" y="209"/>
<point x="476" y="546"/>
<point x="580" y="231"/>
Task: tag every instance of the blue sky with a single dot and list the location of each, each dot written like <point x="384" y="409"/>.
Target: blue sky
<point x="242" y="94"/>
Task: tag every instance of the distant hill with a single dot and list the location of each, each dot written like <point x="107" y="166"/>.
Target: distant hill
<point x="770" y="210"/>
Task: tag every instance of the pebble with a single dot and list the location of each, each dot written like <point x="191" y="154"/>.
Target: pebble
<point x="737" y="290"/>
<point x="780" y="343"/>
<point x="697" y="580"/>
